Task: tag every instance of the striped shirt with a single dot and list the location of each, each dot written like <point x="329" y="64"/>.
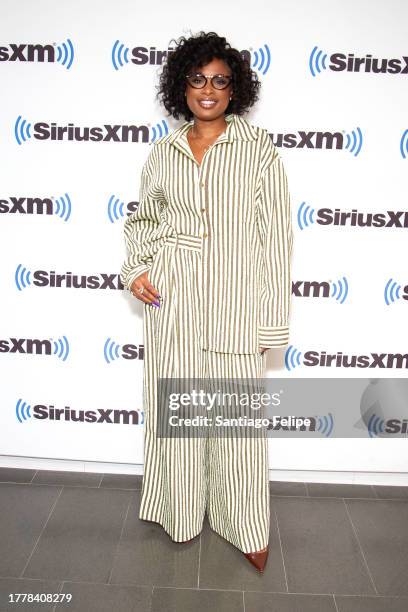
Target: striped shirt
<point x="238" y="201"/>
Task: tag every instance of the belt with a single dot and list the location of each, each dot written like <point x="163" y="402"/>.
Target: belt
<point x="179" y="241"/>
<point x="185" y="241"/>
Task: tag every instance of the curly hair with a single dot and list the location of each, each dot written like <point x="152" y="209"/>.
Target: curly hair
<point x="197" y="51"/>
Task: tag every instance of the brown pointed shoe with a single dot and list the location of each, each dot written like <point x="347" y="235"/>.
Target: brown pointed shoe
<point x="258" y="559"/>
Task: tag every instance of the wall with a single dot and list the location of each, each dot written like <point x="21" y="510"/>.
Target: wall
<point x="342" y="132"/>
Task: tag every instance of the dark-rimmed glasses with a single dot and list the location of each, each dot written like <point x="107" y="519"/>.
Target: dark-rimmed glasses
<point x="218" y="81"/>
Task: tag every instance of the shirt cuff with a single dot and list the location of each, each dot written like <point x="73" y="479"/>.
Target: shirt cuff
<point x="271" y="337"/>
<point x="134" y="274"/>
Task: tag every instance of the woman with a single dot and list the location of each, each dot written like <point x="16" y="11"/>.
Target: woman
<point x="208" y="255"/>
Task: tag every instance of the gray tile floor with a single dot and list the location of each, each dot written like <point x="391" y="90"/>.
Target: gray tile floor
<point x="333" y="548"/>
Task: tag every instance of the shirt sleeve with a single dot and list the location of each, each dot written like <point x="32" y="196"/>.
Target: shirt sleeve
<point x="275" y="225"/>
<point x="140" y="228"/>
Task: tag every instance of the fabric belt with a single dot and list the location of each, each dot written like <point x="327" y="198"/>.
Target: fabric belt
<point x="185" y="241"/>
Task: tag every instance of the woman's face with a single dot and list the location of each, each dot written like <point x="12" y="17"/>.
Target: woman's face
<point x="220" y="97"/>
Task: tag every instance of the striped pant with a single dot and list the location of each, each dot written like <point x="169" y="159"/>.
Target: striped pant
<point x="227" y="477"/>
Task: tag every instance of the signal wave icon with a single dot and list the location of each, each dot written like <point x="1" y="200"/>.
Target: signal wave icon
<point x="262" y="59"/>
<point x="305" y="215"/>
<point x="22" y="277"/>
<point x="23" y="411"/>
<point x="392" y="292"/>
<point x="340" y="290"/>
<point x="404" y="144"/>
<point x="61" y="348"/>
<point x="158" y="131"/>
<point x="116" y="209"/>
<point x="317" y="61"/>
<point x="354" y="141"/>
<point x="119" y="55"/>
<point x="65" y="54"/>
<point x="375" y="426"/>
<point x="63" y="207"/>
<point x="111" y="350"/>
<point x="22" y="130"/>
<point x="292" y="357"/>
<point x="325" y="424"/>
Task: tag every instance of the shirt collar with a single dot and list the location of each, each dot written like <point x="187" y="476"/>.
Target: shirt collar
<point x="238" y="128"/>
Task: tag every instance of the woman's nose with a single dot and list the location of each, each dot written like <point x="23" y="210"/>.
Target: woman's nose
<point x="208" y="87"/>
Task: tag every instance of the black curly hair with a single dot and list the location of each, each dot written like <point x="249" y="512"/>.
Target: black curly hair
<point x="197" y="51"/>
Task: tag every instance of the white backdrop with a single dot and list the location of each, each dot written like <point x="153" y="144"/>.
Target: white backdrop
<point x="342" y="132"/>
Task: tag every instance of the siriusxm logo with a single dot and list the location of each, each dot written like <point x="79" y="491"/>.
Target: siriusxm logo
<point x="328" y="289"/>
<point x="295" y="358"/>
<point x="24" y="130"/>
<point x="60" y="207"/>
<point x="62" y="54"/>
<point x="122" y="55"/>
<point x="339" y="290"/>
<point x="307" y="216"/>
<point x="25" y="412"/>
<point x="383" y="407"/>
<point x="112" y="351"/>
<point x="260" y="58"/>
<point x="24" y="278"/>
<point x="325" y="425"/>
<point x="404" y="144"/>
<point x="34" y="346"/>
<point x="350" y="141"/>
<point x="377" y="426"/>
<point x="139" y="56"/>
<point x="322" y="424"/>
<point x="341" y="62"/>
<point x="117" y="208"/>
<point x="392" y="292"/>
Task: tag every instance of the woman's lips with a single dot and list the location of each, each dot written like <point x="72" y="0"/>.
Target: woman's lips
<point x="207" y="103"/>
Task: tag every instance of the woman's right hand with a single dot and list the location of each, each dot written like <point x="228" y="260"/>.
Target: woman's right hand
<point x="150" y="294"/>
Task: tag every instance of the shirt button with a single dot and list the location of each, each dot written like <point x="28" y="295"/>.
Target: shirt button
<point x="205" y="235"/>
<point x="202" y="184"/>
<point x="203" y="209"/>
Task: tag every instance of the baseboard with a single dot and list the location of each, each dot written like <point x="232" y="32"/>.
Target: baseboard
<point x="367" y="478"/>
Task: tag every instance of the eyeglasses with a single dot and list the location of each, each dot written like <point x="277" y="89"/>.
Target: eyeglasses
<point x="218" y="81"/>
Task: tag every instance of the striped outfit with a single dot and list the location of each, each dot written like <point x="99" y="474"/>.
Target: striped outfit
<point x="216" y="239"/>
